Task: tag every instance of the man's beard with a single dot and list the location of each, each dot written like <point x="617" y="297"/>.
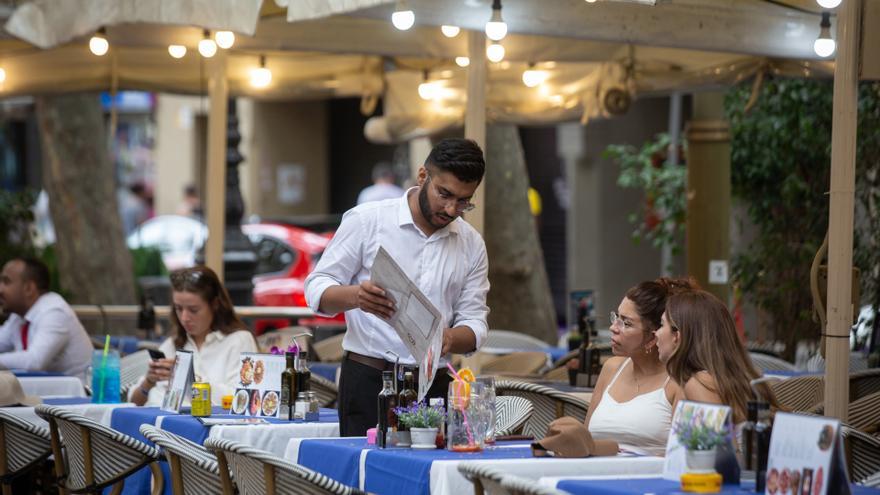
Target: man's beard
<point x="425" y="208"/>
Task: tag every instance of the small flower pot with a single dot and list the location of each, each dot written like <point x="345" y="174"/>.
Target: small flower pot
<point x="423" y="438"/>
<point x="700" y="461"/>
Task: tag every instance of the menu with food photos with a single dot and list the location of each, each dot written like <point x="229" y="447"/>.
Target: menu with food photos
<point x="179" y="386"/>
<point x="258" y="389"/>
<point x="806" y="456"/>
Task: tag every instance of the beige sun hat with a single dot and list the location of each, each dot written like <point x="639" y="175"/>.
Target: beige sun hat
<point x="11" y="393"/>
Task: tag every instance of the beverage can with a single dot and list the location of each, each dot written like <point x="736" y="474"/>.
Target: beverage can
<point x="201" y="399"/>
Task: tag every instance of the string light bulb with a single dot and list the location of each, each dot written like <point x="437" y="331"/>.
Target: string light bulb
<point x="496" y="28"/>
<point x="532" y="77"/>
<point x="2" y="75"/>
<point x="224" y="39"/>
<point x="207" y="46"/>
<point x="99" y="44"/>
<point x="261" y="76"/>
<point x="450" y="31"/>
<point x="828" y="4"/>
<point x="403" y="17"/>
<point x="462" y="61"/>
<point x="495" y="52"/>
<point x="177" y="51"/>
<point x="824" y="45"/>
<point x="427" y="89"/>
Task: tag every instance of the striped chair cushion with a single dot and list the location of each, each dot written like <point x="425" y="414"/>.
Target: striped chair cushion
<point x="873" y="481"/>
<point x="862" y="383"/>
<point x="248" y="467"/>
<point x="131" y="368"/>
<point x="26" y="443"/>
<point x="511" y="414"/>
<point x="766" y="363"/>
<point x="801" y="393"/>
<point x="548" y="404"/>
<point x="114" y="454"/>
<point x="200" y="472"/>
<point x="863" y="454"/>
<point x="485" y="479"/>
<point x="326" y="390"/>
<point x="864" y="414"/>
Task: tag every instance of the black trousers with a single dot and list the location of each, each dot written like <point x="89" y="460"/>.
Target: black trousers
<point x="359" y="387"/>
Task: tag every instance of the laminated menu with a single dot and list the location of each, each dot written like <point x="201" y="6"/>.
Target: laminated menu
<point x="258" y="389"/>
<point x="806" y="457"/>
<point x="181" y="381"/>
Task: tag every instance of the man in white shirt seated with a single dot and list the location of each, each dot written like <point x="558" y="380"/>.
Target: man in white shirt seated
<point x="383" y="185"/>
<point x="441" y="253"/>
<point x="42" y="332"/>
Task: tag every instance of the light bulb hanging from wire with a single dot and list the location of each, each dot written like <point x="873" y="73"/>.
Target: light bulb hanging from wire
<point x="828" y="4"/>
<point x="177" y="51"/>
<point x="532" y="77"/>
<point x="224" y="39"/>
<point x="427" y="89"/>
<point x="403" y="17"/>
<point x="207" y="46"/>
<point x="450" y="31"/>
<point x="496" y="28"/>
<point x="261" y="76"/>
<point x="99" y="44"/>
<point x="462" y="61"/>
<point x="2" y="75"/>
<point x="495" y="52"/>
<point x="824" y="45"/>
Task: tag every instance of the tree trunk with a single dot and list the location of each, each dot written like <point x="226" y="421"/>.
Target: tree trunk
<point x="520" y="297"/>
<point x="94" y="263"/>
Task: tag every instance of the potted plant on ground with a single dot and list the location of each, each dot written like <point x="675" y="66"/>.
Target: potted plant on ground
<point x="701" y="440"/>
<point x="423" y="421"/>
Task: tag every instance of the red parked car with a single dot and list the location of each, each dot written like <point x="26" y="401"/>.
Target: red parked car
<point x="286" y="255"/>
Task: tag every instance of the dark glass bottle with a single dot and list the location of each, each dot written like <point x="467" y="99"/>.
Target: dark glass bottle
<point x="407" y="396"/>
<point x="303" y="374"/>
<point x="288" y="396"/>
<point x="748" y="436"/>
<point x="763" y="429"/>
<point x="387" y="401"/>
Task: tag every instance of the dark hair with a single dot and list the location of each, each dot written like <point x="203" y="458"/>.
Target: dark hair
<point x="461" y="157"/>
<point x="35" y="271"/>
<point x="202" y="281"/>
<point x="708" y="342"/>
<point x="650" y="298"/>
<point x="383" y="170"/>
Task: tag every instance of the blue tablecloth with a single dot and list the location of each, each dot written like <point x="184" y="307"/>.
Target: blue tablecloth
<point x="326" y="370"/>
<point x="128" y="420"/>
<point x="28" y="373"/>
<point x="389" y="471"/>
<point x="658" y="486"/>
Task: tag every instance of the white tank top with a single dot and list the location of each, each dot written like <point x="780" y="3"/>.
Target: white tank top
<point x="640" y="424"/>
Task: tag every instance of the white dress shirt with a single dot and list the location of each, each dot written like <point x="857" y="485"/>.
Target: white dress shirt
<point x="57" y="341"/>
<point x="378" y="192"/>
<point x="450" y="267"/>
<point x="217" y="363"/>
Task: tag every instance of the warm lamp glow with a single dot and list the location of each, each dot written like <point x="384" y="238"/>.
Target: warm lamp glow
<point x="207" y="46"/>
<point x="496" y="28"/>
<point x="2" y="75"/>
<point x="177" y="51"/>
<point x="495" y="52"/>
<point x="403" y="17"/>
<point x="224" y="39"/>
<point x="532" y="77"/>
<point x="99" y="44"/>
<point x="824" y="46"/>
<point x="450" y="31"/>
<point x="828" y="4"/>
<point x="462" y="61"/>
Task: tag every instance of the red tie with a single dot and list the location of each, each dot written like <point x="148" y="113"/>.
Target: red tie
<point x="24" y="334"/>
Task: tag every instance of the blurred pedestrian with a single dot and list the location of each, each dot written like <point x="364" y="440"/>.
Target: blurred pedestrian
<point x="383" y="186"/>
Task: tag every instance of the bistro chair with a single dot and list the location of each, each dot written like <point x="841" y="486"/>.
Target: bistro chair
<point x="329" y="350"/>
<point x="259" y="472"/>
<point x="194" y="470"/>
<point x="862" y="453"/>
<point x="326" y="390"/>
<point x="872" y="481"/>
<point x="548" y="404"/>
<point x="862" y="383"/>
<point x="766" y="363"/>
<point x="864" y="414"/>
<point x="486" y="480"/>
<point x="518" y="363"/>
<point x="505" y="339"/>
<point x="23" y="446"/>
<point x="131" y="368"/>
<point x="801" y="393"/>
<point x="97" y="456"/>
<point x="511" y="414"/>
<point x="517" y="485"/>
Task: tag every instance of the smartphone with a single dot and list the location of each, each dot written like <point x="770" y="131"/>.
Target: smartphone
<point x="156" y="354"/>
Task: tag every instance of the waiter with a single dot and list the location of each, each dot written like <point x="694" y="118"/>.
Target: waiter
<point x="441" y="253"/>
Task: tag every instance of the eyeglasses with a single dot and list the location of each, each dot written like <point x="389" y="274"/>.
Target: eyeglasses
<point x="446" y="199"/>
<point x="623" y="322"/>
<point x="180" y="277"/>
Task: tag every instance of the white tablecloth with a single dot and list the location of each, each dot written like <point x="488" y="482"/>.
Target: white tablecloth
<point x="96" y="412"/>
<point x="52" y="386"/>
<point x="446" y="480"/>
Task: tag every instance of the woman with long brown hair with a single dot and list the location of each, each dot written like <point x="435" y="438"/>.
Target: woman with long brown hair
<point x="699" y="344"/>
<point x="203" y="321"/>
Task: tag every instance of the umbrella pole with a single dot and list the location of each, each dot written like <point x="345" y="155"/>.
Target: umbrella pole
<point x="840" y="223"/>
<point x="218" y="93"/>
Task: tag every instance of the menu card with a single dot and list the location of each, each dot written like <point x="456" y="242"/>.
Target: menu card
<point x="182" y="377"/>
<point x="715" y="416"/>
<point x="806" y="456"/>
<point x="258" y="391"/>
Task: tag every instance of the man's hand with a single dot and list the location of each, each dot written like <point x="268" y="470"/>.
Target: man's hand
<point x="372" y="299"/>
<point x="459" y="340"/>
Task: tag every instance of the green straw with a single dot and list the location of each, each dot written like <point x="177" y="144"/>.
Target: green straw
<point x="103" y="369"/>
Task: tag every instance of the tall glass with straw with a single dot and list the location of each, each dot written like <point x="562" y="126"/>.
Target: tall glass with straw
<point x="105" y="374"/>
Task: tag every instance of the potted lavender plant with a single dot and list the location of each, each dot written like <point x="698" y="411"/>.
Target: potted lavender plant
<point x="701" y="439"/>
<point x="423" y="421"/>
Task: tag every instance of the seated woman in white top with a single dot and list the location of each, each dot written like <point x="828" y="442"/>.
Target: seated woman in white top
<point x="203" y="321"/>
<point x="634" y="398"/>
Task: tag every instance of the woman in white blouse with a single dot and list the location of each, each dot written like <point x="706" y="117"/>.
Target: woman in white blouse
<point x="204" y="322"/>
